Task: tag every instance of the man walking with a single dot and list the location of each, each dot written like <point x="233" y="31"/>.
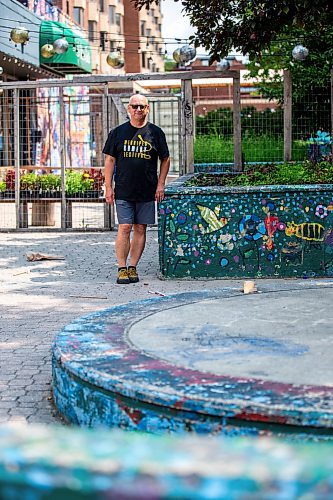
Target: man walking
<point x="132" y="151"/>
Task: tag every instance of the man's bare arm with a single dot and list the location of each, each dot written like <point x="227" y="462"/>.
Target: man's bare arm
<point x="164" y="169"/>
<point x="108" y="175"/>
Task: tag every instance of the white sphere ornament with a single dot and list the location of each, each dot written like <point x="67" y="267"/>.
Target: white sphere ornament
<point x="187" y="53"/>
<point x="223" y="65"/>
<point x="115" y="60"/>
<point x="300" y="53"/>
<point x="1" y="70"/>
<point x="60" y="46"/>
<point x="47" y="51"/>
<point x="19" y="35"/>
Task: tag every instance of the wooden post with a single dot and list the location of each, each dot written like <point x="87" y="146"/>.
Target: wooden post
<point x="287" y="115"/>
<point x="43" y="213"/>
<point x="187" y="127"/>
<point x="237" y="125"/>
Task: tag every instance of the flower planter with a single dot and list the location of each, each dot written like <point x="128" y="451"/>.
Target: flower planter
<point x="9" y="194"/>
<point x="239" y="232"/>
<point x="85" y="195"/>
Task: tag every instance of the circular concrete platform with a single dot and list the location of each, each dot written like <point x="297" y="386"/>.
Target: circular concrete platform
<point x="216" y="362"/>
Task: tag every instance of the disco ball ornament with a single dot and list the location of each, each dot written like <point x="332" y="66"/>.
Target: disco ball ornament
<point x="60" y="46"/>
<point x="115" y="60"/>
<point x="19" y="35"/>
<point x="176" y="55"/>
<point x="187" y="53"/>
<point x="300" y="53"/>
<point x="47" y="51"/>
<point x="223" y="65"/>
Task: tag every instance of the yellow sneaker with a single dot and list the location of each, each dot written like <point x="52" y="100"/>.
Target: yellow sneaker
<point x="132" y="274"/>
<point x="123" y="278"/>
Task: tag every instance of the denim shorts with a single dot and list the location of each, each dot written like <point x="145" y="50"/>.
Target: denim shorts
<point x="131" y="212"/>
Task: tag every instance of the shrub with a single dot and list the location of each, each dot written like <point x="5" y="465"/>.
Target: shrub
<point x="306" y="172"/>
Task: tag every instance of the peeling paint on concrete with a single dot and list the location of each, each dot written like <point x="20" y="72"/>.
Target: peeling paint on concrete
<point x="101" y="378"/>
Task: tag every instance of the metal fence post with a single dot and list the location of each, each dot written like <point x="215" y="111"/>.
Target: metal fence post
<point x="187" y="126"/>
<point x="237" y="124"/>
<point x="64" y="222"/>
<point x="109" y="217"/>
<point x="16" y="102"/>
<point x="287" y="114"/>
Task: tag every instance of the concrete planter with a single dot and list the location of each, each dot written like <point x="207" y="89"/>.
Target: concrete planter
<point x="238" y="232"/>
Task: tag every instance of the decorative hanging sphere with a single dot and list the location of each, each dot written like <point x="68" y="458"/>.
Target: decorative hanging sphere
<point x="300" y="53"/>
<point x="60" y="46"/>
<point x="187" y="53"/>
<point x="19" y="35"/>
<point x="223" y="65"/>
<point x="121" y="63"/>
<point x="47" y="51"/>
<point x="176" y="55"/>
<point x="115" y="60"/>
<point x="1" y="70"/>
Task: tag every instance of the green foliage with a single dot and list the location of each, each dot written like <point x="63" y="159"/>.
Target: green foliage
<point x="36" y="182"/>
<point x="29" y="181"/>
<point x="247" y="26"/>
<point x="272" y="174"/>
<point x="78" y="182"/>
<point x="208" y="148"/>
<point x="169" y="65"/>
<point x="49" y="182"/>
<point x="2" y="186"/>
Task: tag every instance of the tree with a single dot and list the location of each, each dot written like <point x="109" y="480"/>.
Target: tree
<point x="311" y="77"/>
<point x="248" y="26"/>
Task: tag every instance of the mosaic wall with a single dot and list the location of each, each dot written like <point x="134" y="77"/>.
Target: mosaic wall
<point x="246" y="232"/>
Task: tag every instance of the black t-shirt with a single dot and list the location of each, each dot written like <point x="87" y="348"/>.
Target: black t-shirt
<point x="136" y="151"/>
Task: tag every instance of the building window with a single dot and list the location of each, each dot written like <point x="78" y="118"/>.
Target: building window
<point x="102" y="39"/>
<point x="78" y="15"/>
<point x="101" y="5"/>
<point x="143" y="28"/>
<point x="118" y="20"/>
<point x="92" y="30"/>
<point x="112" y="14"/>
<point x="67" y="8"/>
<point x="143" y="59"/>
<point x="112" y="46"/>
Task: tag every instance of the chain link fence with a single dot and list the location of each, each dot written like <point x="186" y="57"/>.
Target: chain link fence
<point x="262" y="122"/>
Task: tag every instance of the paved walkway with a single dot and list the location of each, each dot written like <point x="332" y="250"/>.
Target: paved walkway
<point x="37" y="299"/>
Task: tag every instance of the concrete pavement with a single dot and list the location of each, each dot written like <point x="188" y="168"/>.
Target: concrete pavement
<point x="37" y="299"/>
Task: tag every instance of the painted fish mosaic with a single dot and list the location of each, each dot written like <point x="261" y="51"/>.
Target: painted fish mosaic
<point x="268" y="231"/>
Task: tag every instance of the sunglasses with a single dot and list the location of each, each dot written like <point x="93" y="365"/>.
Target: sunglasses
<point x="138" y="106"/>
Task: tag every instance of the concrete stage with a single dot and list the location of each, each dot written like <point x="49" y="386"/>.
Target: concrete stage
<point x="217" y="362"/>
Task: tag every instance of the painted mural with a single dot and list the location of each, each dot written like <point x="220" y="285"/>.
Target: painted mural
<point x="77" y="128"/>
<point x="278" y="231"/>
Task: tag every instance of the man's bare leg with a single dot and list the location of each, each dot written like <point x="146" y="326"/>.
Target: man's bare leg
<point x="123" y="243"/>
<point x="138" y="243"/>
